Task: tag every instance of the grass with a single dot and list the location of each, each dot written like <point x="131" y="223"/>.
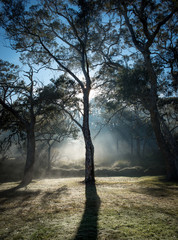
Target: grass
<point x="121" y="208"/>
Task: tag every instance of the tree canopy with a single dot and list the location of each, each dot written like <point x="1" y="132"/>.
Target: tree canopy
<point x="127" y="49"/>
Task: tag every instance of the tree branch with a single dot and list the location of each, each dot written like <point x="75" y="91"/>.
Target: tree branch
<point x="61" y="65"/>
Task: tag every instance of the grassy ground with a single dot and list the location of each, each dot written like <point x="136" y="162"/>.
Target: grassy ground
<point x="120" y="208"/>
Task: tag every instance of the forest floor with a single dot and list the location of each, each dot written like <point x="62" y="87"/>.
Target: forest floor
<point x="122" y="208"/>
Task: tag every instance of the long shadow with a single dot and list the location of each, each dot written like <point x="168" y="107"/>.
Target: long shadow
<point x="9" y="192"/>
<point x="54" y="194"/>
<point x="16" y="197"/>
<point x="13" y="189"/>
<point x="88" y="226"/>
<point x="12" y="192"/>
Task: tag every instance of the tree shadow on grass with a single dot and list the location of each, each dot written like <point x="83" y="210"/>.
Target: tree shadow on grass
<point x="15" y="199"/>
<point x="49" y="195"/>
<point x="160" y="188"/>
<point x="23" y="197"/>
<point x="88" y="228"/>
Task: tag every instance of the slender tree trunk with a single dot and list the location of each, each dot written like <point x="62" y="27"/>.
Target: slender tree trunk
<point x="117" y="144"/>
<point x="165" y="143"/>
<point x="89" y="148"/>
<point x="170" y="159"/>
<point x="131" y="147"/>
<point x="49" y="159"/>
<point x="30" y="159"/>
<point x="138" y="148"/>
<point x="89" y="158"/>
<point x="143" y="148"/>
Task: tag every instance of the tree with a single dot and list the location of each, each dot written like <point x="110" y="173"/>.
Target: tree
<point x="127" y="122"/>
<point x="17" y="98"/>
<point x="59" y="35"/>
<point x="149" y="23"/>
<point x="56" y="128"/>
<point x="24" y="110"/>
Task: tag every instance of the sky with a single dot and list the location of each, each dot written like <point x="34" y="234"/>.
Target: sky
<point x="12" y="56"/>
<point x="6" y="53"/>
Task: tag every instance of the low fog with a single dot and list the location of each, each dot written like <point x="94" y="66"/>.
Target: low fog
<point x="108" y="150"/>
<point x="118" y="148"/>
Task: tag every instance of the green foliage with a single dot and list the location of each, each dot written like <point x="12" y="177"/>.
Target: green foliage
<point x="74" y="36"/>
<point x="23" y="102"/>
<point x="134" y="83"/>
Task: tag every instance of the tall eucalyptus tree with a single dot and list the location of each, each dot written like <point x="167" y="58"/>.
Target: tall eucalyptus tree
<point x="151" y="30"/>
<point x="17" y="99"/>
<point x="58" y="34"/>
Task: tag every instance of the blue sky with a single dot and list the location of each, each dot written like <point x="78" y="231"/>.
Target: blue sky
<point x="10" y="55"/>
<point x="6" y="53"/>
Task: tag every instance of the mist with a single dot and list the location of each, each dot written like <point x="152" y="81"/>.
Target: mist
<point x="72" y="152"/>
<point x="111" y="150"/>
<point x="117" y="148"/>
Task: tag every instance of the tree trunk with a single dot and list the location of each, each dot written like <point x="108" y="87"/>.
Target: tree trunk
<point x="49" y="159"/>
<point x="165" y="143"/>
<point x="138" y="148"/>
<point x="170" y="159"/>
<point x="131" y="147"/>
<point x="89" y="158"/>
<point x="143" y="148"/>
<point x="117" y="144"/>
<point x="89" y="148"/>
<point x="30" y="159"/>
